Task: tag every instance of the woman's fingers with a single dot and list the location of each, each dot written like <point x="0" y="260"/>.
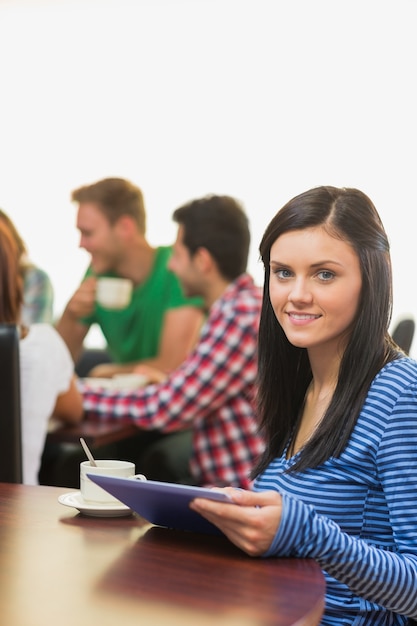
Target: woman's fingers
<point x="250" y="523"/>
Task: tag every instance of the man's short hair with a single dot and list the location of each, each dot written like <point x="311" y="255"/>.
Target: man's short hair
<point x="219" y="224"/>
<point x="116" y="197"/>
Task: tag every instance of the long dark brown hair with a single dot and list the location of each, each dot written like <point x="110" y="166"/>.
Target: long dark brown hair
<point x="284" y="371"/>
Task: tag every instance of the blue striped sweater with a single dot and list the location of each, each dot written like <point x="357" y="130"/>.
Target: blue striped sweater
<point x="357" y="515"/>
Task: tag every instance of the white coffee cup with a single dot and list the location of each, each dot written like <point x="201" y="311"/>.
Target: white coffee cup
<point x="94" y="494"/>
<point x="114" y="293"/>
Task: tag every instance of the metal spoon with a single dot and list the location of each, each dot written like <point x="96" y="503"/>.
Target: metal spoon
<point x="88" y="452"/>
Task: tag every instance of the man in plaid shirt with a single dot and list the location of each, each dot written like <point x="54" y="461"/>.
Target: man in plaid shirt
<point x="212" y="392"/>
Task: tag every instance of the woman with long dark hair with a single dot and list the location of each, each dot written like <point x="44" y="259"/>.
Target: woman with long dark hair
<point x="337" y="402"/>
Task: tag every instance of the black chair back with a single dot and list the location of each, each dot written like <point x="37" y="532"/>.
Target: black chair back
<point x="10" y="415"/>
<point x="403" y="334"/>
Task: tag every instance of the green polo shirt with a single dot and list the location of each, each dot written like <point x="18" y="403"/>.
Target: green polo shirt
<point x="133" y="333"/>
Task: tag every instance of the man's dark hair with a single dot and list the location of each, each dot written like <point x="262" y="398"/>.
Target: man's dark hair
<point x="220" y="225"/>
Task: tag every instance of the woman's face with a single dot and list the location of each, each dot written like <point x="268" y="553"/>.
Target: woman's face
<point x="314" y="287"/>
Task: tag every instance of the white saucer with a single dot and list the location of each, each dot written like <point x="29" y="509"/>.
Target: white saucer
<point x="120" y="382"/>
<point x="75" y="500"/>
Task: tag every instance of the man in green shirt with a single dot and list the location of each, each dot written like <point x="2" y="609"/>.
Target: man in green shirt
<point x="160" y="325"/>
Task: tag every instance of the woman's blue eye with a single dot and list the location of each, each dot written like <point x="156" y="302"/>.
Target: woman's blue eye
<point x="283" y="273"/>
<point x="325" y="275"/>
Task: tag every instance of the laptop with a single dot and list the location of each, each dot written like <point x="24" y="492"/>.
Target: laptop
<point x="162" y="504"/>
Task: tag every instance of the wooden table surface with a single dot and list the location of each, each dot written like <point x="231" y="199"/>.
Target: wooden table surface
<point x="60" y="567"/>
<point x="95" y="433"/>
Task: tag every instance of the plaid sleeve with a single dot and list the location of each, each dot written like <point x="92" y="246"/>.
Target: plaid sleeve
<point x="222" y="366"/>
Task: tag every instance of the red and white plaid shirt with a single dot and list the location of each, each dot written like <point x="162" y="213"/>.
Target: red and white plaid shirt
<point x="212" y="392"/>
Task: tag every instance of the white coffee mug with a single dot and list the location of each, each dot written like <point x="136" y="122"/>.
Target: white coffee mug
<point x="114" y="293"/>
<point x="94" y="494"/>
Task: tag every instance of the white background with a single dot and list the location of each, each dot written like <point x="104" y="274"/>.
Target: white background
<point x="260" y="99"/>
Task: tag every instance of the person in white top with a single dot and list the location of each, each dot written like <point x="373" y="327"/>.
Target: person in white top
<point x="48" y="384"/>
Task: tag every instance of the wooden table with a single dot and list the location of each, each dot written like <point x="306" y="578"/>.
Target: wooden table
<point x="95" y="433"/>
<point x="59" y="567"/>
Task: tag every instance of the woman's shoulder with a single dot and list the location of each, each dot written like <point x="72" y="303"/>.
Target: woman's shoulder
<point x="44" y="334"/>
<point x="391" y="402"/>
<point x="396" y="377"/>
<point x="403" y="367"/>
<point x="44" y="344"/>
<point x="33" y="274"/>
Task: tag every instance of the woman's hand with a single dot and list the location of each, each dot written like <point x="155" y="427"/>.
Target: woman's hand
<point x="251" y="525"/>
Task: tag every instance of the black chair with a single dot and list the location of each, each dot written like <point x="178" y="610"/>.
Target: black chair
<point x="11" y="470"/>
<point x="403" y="334"/>
<point x="91" y="357"/>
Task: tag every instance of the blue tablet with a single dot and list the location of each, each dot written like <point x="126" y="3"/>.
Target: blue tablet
<point x="162" y="504"/>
